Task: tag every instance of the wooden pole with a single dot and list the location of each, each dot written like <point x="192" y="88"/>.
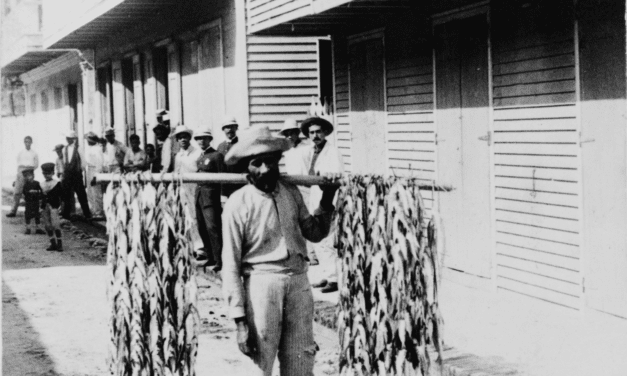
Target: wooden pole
<point x="227" y="178"/>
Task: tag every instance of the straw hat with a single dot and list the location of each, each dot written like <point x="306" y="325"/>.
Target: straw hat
<point x="325" y="124"/>
<point x="182" y="129"/>
<point x="204" y="133"/>
<point x="254" y="141"/>
<point x="109" y="132"/>
<point x="71" y="134"/>
<point x="58" y="147"/>
<point x="289" y="124"/>
<point x="228" y="120"/>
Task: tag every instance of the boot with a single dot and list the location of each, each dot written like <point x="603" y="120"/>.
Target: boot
<point x="59" y="245"/>
<point x="53" y="245"/>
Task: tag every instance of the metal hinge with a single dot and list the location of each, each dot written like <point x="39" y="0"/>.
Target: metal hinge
<point x="487" y="137"/>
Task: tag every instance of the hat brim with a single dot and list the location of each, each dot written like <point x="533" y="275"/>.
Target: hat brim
<point x="282" y="132"/>
<point x="228" y="125"/>
<point x="248" y="148"/>
<point x="189" y="132"/>
<point x="324" y="123"/>
<point x="201" y="135"/>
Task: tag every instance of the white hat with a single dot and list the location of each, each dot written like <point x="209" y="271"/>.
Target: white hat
<point x="204" y="133"/>
<point x="182" y="129"/>
<point x="71" y="134"/>
<point x="254" y="141"/>
<point x="289" y="124"/>
<point x="109" y="131"/>
<point x="228" y="120"/>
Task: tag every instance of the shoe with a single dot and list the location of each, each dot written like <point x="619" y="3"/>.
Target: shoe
<point x="320" y="284"/>
<point x="27" y="232"/>
<point x="59" y="246"/>
<point x="40" y="232"/>
<point x="330" y="287"/>
<point x="53" y="245"/>
<point x="11" y="215"/>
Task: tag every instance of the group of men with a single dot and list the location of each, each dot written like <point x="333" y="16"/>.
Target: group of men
<point x="261" y="241"/>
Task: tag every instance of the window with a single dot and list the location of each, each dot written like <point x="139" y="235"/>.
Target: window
<point x="44" y="101"/>
<point x="58" y="97"/>
<point x="33" y="103"/>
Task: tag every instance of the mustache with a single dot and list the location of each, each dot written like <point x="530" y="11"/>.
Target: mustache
<point x="316" y="138"/>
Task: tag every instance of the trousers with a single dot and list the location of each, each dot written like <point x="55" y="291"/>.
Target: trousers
<point x="279" y="312"/>
<point x="17" y="189"/>
<point x="209" y="222"/>
<point x="74" y="183"/>
<point x="94" y="193"/>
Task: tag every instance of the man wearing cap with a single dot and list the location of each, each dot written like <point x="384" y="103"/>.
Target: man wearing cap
<point x="230" y="127"/>
<point x="322" y="158"/>
<point x="114" y="153"/>
<point x="264" y="273"/>
<point x="185" y="162"/>
<point x="208" y="205"/>
<point x="167" y="146"/>
<point x="26" y="159"/>
<point x="94" y="163"/>
<point x="73" y="165"/>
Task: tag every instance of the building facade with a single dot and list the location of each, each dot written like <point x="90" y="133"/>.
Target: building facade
<point x="519" y="105"/>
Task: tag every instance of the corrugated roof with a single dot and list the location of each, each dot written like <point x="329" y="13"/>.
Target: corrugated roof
<point x="30" y="60"/>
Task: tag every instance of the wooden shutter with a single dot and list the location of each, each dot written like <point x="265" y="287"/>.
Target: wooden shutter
<point x="282" y="78"/>
<point x="342" y="102"/>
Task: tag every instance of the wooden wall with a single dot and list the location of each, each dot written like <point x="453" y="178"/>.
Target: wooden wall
<point x="537" y="174"/>
<point x="342" y="102"/>
<point x="282" y="78"/>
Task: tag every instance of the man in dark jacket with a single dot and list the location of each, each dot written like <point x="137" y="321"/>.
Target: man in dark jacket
<point x="208" y="206"/>
<point x="73" y="177"/>
<point x="230" y="127"/>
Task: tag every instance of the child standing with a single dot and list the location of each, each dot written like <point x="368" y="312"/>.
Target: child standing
<point x="50" y="204"/>
<point x="32" y="194"/>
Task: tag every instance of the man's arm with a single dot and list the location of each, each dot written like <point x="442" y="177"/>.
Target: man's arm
<point x="317" y="226"/>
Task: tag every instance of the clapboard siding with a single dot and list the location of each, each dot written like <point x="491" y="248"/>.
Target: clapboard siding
<point x="537" y="174"/>
<point x="266" y="13"/>
<point x="409" y="99"/>
<point x="342" y="104"/>
<point x="282" y="78"/>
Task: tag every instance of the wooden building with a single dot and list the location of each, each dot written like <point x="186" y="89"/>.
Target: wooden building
<point x="193" y="58"/>
<point x="518" y="104"/>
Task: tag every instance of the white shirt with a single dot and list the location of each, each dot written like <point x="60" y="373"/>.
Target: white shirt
<point x="27" y="158"/>
<point x="185" y="160"/>
<point x="166" y="154"/>
<point x="329" y="161"/>
<point x="94" y="157"/>
<point x="295" y="160"/>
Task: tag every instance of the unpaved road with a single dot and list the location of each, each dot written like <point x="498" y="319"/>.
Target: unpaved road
<point x="55" y="313"/>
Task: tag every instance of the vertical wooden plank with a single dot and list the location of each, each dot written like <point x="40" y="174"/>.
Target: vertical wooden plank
<point x="129" y="100"/>
<point x="119" y="105"/>
<point x="150" y="95"/>
<point x="211" y="77"/>
<point x="190" y="84"/>
<point x="174" y="85"/>
<point x="138" y="96"/>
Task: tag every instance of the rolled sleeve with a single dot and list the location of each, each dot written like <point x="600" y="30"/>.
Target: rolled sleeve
<point x="232" y="235"/>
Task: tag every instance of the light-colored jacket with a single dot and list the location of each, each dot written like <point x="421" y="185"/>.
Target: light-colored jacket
<point x="329" y="162"/>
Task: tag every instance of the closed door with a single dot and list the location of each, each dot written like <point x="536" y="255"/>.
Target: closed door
<point x="367" y="106"/>
<point x="462" y="115"/>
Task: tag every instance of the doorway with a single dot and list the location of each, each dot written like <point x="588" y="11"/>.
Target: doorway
<point x="463" y="116"/>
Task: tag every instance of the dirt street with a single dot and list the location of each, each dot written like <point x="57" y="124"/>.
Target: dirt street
<point x="55" y="312"/>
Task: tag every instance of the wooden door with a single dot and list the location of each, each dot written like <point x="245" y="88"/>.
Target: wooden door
<point x="211" y="77"/>
<point x="462" y="115"/>
<point x="367" y="106"/>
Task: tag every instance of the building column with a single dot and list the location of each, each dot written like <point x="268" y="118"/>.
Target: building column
<point x="91" y="110"/>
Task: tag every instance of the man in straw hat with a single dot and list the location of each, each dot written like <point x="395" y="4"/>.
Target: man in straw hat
<point x="322" y="158"/>
<point x="208" y="205"/>
<point x="94" y="163"/>
<point x="265" y="225"/>
<point x="185" y="162"/>
<point x="230" y="127"/>
<point x="26" y="159"/>
<point x="73" y="165"/>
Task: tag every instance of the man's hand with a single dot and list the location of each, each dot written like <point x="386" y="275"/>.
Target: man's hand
<point x="243" y="337"/>
<point x="93" y="182"/>
<point x="328" y="191"/>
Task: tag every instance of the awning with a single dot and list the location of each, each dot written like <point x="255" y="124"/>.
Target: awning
<point x="111" y="17"/>
<point x="322" y="17"/>
<point x="30" y="60"/>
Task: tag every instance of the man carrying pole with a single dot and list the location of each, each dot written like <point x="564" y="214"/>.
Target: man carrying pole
<point x="265" y="225"/>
